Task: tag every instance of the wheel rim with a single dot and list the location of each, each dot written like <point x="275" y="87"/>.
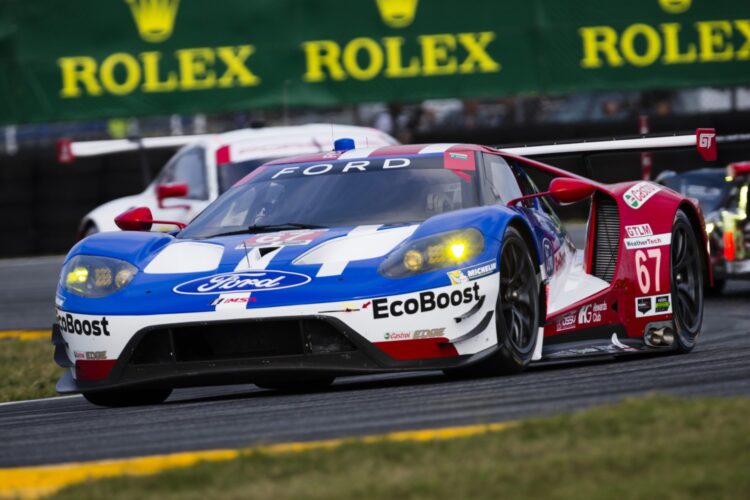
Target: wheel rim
<point x="517" y="293"/>
<point x="686" y="280"/>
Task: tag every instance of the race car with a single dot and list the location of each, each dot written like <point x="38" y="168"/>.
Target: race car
<point x="399" y="258"/>
<point x="206" y="166"/>
<point x="723" y="196"/>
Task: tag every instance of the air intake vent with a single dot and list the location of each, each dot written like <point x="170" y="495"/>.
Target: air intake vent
<point x="607" y="237"/>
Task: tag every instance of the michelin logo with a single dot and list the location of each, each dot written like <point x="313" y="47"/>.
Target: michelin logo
<point x="461" y="276"/>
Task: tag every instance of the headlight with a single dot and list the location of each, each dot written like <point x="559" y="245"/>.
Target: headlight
<point x="95" y="277"/>
<point x="709" y="227"/>
<point x="433" y="252"/>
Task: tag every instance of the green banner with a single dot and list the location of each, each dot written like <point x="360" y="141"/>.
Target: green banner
<point x="82" y="59"/>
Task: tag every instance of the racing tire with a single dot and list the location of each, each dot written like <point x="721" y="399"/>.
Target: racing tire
<point x="687" y="283"/>
<point x="123" y="398"/>
<point x="516" y="312"/>
<point x="294" y="384"/>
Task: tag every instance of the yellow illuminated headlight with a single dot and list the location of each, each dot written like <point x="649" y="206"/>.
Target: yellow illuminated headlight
<point x="433" y="252"/>
<point x="94" y="277"/>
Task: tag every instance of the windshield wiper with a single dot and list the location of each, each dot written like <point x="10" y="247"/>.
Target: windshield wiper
<point x="269" y="228"/>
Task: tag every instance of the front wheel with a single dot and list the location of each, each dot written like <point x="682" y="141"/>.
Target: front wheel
<point x="516" y="311"/>
<point x="123" y="397"/>
<point x="687" y="283"/>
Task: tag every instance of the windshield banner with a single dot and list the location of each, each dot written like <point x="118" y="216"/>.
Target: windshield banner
<point x="92" y="59"/>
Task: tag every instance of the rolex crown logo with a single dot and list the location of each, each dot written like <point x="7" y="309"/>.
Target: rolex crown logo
<point x="675" y="6"/>
<point x="397" y="13"/>
<point x="154" y="18"/>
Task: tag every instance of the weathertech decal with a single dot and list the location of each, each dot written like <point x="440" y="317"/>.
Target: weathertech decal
<point x="656" y="240"/>
<point x="461" y="276"/>
<point x="653" y="305"/>
<point x="639" y="194"/>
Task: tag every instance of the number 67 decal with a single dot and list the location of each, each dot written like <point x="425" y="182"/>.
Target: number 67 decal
<point x="644" y="278"/>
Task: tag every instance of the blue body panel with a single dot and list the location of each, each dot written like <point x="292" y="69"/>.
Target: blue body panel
<point x="154" y="293"/>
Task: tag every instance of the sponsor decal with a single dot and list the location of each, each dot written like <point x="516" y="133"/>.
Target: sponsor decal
<point x="639" y="230"/>
<point x="424" y="302"/>
<point x="71" y="325"/>
<point x="282" y="238"/>
<point x="591" y="313"/>
<point x="639" y="194"/>
<point x="79" y="355"/>
<point x="656" y="240"/>
<point x="643" y="305"/>
<point x="249" y="281"/>
<point x="233" y="300"/>
<point x="95" y="355"/>
<point x="461" y="276"/>
<point x="428" y="333"/>
<point x="653" y="305"/>
<point x="566" y="322"/>
<point x="458" y="156"/>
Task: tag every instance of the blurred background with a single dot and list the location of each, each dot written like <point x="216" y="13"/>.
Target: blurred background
<point x="480" y="71"/>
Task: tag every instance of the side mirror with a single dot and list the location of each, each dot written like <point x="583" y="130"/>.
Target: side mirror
<point x="140" y="219"/>
<point x="176" y="190"/>
<point x="135" y="219"/>
<point x="565" y="190"/>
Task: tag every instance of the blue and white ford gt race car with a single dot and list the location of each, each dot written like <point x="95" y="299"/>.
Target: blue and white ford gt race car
<point x="370" y="260"/>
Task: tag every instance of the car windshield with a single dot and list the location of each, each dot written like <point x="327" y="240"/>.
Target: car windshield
<point x="708" y="188"/>
<point x="230" y="173"/>
<point x="392" y="190"/>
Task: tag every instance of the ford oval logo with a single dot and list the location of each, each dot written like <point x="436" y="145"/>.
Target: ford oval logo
<point x="248" y="281"/>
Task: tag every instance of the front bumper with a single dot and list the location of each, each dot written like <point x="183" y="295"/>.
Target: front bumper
<point x="414" y="331"/>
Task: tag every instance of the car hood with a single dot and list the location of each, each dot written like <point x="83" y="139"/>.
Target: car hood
<point x="275" y="269"/>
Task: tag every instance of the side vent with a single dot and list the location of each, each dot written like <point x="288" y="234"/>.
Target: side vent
<point x="607" y="237"/>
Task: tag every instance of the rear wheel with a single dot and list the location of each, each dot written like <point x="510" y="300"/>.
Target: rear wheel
<point x="687" y="283"/>
<point x="516" y="311"/>
<point x="122" y="398"/>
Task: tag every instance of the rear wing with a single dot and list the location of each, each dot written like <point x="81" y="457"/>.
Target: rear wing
<point x="704" y="141"/>
<point x="68" y="151"/>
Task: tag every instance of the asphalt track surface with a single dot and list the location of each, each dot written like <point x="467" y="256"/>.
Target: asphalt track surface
<point x="70" y="429"/>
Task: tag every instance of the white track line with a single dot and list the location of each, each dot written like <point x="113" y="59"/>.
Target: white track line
<point x="55" y="398"/>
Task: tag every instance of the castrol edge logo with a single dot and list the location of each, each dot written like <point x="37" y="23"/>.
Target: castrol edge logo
<point x="639" y="194"/>
<point x="250" y="281"/>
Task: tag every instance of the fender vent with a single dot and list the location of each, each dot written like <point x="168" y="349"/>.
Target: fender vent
<point x="606" y="237"/>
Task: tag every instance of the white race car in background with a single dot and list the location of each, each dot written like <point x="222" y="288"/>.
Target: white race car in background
<point x="208" y="165"/>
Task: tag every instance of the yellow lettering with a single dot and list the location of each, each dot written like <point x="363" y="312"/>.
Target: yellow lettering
<point x="322" y="54"/>
<point x="436" y="54"/>
<point x="374" y="54"/>
<point x="596" y="40"/>
<point x="234" y="58"/>
<point x="743" y="26"/>
<point x="714" y="46"/>
<point x="75" y="71"/>
<point x="132" y="73"/>
<point x="653" y="44"/>
<point x="394" y="67"/>
<point x="151" y="80"/>
<point x="476" y="47"/>
<point x="672" y="53"/>
<point x="195" y="72"/>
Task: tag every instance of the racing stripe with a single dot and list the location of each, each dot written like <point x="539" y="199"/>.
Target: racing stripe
<point x="437" y="148"/>
<point x="357" y="153"/>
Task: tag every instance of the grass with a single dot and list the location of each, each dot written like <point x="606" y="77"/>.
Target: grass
<point x="654" y="447"/>
<point x="27" y="370"/>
